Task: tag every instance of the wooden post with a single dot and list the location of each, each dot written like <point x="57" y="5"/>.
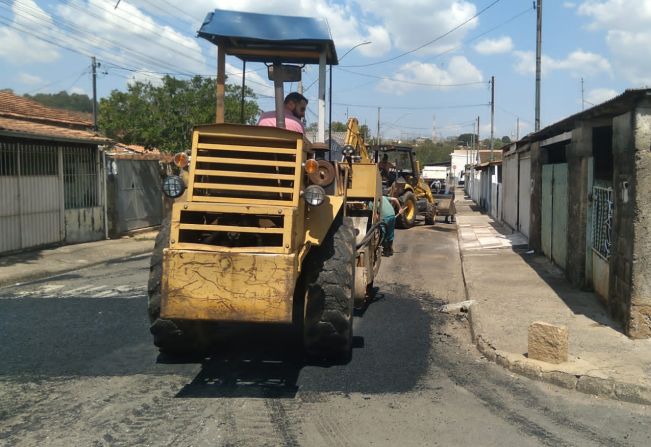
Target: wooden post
<point x="219" y="88"/>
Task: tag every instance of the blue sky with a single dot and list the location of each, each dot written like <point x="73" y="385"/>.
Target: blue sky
<point x="45" y="46"/>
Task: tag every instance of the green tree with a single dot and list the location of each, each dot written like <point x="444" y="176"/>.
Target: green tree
<point x="163" y="116"/>
<point x="429" y="152"/>
<point x="63" y="100"/>
<point x="467" y="138"/>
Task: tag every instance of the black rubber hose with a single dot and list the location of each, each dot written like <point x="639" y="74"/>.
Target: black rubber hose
<point x="369" y="234"/>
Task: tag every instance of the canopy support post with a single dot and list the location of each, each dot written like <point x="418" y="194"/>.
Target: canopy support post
<point x="219" y="88"/>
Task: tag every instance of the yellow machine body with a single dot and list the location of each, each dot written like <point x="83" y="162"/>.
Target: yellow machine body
<point x="244" y="182"/>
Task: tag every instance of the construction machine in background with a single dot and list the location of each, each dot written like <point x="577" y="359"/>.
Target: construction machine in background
<point x="401" y="179"/>
<point x="265" y="228"/>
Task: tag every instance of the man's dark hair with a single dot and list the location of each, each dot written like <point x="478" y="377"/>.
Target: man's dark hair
<point x="296" y="97"/>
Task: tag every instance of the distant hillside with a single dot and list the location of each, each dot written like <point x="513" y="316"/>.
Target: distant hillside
<point x="63" y="100"/>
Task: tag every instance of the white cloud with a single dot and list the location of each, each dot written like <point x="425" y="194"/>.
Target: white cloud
<point x="145" y="76"/>
<point x="494" y="46"/>
<point x="19" y="47"/>
<point x="29" y="79"/>
<point x="127" y="34"/>
<point x="628" y="34"/>
<point x="411" y="24"/>
<point x="253" y="80"/>
<point x="78" y="91"/>
<point x="420" y="75"/>
<point x="344" y="20"/>
<point x="383" y="22"/>
<point x="599" y="95"/>
<point x="579" y="63"/>
<point x="569" y="5"/>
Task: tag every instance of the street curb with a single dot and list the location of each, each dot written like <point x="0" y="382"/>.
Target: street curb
<point x="607" y="387"/>
<point x="547" y="372"/>
<point x="35" y="276"/>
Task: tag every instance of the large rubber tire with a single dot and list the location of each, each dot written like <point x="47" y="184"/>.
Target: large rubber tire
<point x="408" y="218"/>
<point x="430" y="214"/>
<point x="171" y="337"/>
<point x="329" y="273"/>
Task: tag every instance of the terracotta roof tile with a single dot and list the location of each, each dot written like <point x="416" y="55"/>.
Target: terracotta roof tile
<point x="18" y="127"/>
<point x="18" y="107"/>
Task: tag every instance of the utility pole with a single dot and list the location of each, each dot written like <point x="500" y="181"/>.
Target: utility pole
<point x="538" y="60"/>
<point x="517" y="129"/>
<point x="378" y="126"/>
<point x="492" y="113"/>
<point x="94" y="64"/>
<point x="478" y="141"/>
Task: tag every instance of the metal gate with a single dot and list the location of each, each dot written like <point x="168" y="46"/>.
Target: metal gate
<point x="138" y="199"/>
<point x="31" y="195"/>
<point x="601" y="239"/>
<point x="554" y="212"/>
<point x="524" y="195"/>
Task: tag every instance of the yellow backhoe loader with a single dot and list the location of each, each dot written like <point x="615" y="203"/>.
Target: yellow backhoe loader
<point x="401" y="179"/>
<point x="264" y="227"/>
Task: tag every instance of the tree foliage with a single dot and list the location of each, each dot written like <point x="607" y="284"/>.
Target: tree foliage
<point x="428" y="152"/>
<point x="163" y="116"/>
<point x="64" y="100"/>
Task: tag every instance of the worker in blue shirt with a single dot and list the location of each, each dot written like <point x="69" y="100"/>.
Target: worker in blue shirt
<point x="388" y="214"/>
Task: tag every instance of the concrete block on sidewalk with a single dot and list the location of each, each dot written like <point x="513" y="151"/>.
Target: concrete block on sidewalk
<point x="548" y="342"/>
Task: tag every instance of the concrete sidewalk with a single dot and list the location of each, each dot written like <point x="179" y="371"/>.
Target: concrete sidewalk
<point x="513" y="287"/>
<point x="35" y="264"/>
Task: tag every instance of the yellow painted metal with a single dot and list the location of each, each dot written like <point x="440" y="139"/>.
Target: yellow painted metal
<point x="240" y="148"/>
<point x="218" y="173"/>
<point x="229" y="187"/>
<point x="237" y="200"/>
<point x="289" y="215"/>
<point x="319" y="219"/>
<point x="230" y="228"/>
<point x="366" y="181"/>
<point x="218" y="249"/>
<point x="228" y="287"/>
<point x="240" y="161"/>
<point x="355" y="139"/>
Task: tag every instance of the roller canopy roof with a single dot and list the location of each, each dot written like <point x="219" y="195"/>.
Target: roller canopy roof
<point x="269" y="38"/>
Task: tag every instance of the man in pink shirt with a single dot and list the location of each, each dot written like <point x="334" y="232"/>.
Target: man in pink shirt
<point x="295" y="105"/>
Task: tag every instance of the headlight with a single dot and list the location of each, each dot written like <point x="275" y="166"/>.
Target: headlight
<point x="173" y="186"/>
<point x="314" y="195"/>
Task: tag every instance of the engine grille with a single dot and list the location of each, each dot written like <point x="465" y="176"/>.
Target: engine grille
<point x="245" y="170"/>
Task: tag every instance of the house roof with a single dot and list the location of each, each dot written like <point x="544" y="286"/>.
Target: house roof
<point x="611" y="108"/>
<point x="24" y="118"/>
<point x="137" y="152"/>
<point x="337" y="137"/>
<point x="13" y="106"/>
<point x="485" y="155"/>
<point x="27" y="129"/>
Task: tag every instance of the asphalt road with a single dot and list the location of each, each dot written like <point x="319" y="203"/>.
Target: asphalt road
<point x="77" y="368"/>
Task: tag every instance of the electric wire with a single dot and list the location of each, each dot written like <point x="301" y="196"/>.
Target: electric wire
<point x="436" y="39"/>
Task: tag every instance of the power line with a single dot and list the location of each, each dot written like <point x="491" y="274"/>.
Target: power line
<point x="368" y="106"/>
<point x="98" y="43"/>
<point x="509" y="20"/>
<point x="56" y="82"/>
<point x="447" y="33"/>
<point x="427" y="84"/>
